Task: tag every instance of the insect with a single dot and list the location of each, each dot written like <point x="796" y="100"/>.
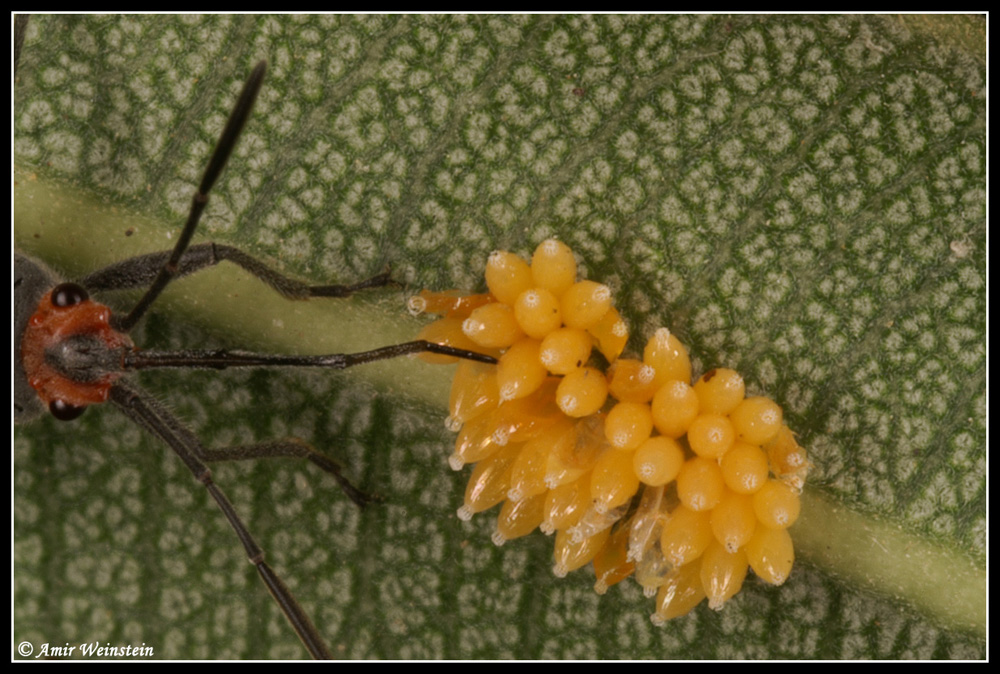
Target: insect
<point x="71" y="352"/>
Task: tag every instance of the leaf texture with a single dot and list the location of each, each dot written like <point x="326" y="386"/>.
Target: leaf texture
<point x="802" y="199"/>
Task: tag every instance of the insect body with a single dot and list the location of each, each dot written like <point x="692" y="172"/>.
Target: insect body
<point x="71" y="352"/>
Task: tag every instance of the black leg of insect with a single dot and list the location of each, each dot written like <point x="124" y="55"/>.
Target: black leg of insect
<point x="71" y="352"/>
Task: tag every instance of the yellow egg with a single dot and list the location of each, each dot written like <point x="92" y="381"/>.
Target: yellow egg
<point x="553" y="266"/>
<point x="674" y="408"/>
<point x="519" y="518"/>
<point x="720" y="390"/>
<point x="507" y="276"/>
<point x="570" y="555"/>
<point x="528" y="473"/>
<point x="685" y="536"/>
<point x="520" y="372"/>
<point x="680" y="593"/>
<point x="473" y="392"/>
<point x="584" y="304"/>
<point x="699" y="483"/>
<point x="658" y="460"/>
<point x="565" y="350"/>
<point x="522" y="419"/>
<point x="489" y="482"/>
<point x="476" y="441"/>
<point x="447" y="331"/>
<point x="628" y="425"/>
<point x="613" y="481"/>
<point x="756" y="420"/>
<point x="744" y="468"/>
<point x="711" y="435"/>
<point x="449" y="303"/>
<point x="492" y="326"/>
<point x="722" y="573"/>
<point x="771" y="554"/>
<point x="581" y="392"/>
<point x="537" y="312"/>
<point x="611" y="563"/>
<point x="566" y="504"/>
<point x="631" y="381"/>
<point x="668" y="357"/>
<point x="776" y="505"/>
<point x="733" y="520"/>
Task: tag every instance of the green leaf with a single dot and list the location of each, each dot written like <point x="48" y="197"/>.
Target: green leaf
<point x="800" y="198"/>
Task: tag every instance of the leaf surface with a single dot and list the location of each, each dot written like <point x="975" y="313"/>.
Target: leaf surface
<point x="800" y="198"/>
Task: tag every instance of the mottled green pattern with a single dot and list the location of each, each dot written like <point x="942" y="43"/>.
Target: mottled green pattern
<point x="800" y="198"/>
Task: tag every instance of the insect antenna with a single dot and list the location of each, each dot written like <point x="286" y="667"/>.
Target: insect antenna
<point x="221" y="359"/>
<point x="223" y="149"/>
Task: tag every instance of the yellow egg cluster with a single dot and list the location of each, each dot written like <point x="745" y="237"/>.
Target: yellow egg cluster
<point x="634" y="469"/>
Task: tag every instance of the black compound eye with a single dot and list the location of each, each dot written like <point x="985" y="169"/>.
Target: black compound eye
<point x="68" y="294"/>
<point x="61" y="409"/>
